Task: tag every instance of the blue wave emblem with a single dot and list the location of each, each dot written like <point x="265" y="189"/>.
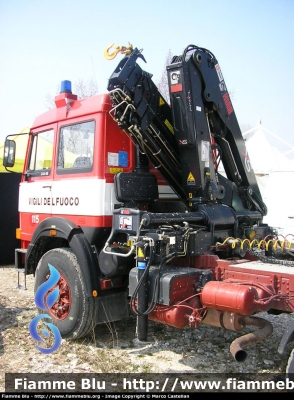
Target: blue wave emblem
<point x="45" y="287"/>
<point x="46" y="305"/>
<point x="37" y="337"/>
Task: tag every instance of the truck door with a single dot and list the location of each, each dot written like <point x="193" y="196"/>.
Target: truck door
<point x="77" y="194"/>
<point x="35" y="203"/>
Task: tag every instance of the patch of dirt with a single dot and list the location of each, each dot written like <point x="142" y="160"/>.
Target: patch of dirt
<point x="114" y="347"/>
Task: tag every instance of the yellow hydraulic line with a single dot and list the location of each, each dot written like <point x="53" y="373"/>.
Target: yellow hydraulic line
<point x="244" y="241"/>
<point x="263" y="243"/>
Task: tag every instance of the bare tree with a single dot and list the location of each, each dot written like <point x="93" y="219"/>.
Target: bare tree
<point x="80" y="88"/>
<point x="245" y="127"/>
<point x="49" y="99"/>
<point x="162" y="83"/>
<point x="84" y="90"/>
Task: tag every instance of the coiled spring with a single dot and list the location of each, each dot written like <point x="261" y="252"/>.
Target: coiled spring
<point x="278" y="242"/>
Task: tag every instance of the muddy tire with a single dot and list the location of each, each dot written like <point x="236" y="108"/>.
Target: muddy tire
<point x="73" y="312"/>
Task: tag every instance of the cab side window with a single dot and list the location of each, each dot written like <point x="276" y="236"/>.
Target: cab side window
<point x="41" y="151"/>
<point x="75" y="148"/>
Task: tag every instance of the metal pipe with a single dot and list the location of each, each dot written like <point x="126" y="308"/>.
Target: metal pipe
<point x="229" y="321"/>
<point x="142" y="320"/>
<point x="238" y="344"/>
<point x="163" y="218"/>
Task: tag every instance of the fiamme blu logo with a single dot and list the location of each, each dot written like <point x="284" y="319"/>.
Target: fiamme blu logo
<point x="45" y="297"/>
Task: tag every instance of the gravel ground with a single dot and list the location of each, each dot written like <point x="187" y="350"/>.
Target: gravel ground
<point x="113" y="348"/>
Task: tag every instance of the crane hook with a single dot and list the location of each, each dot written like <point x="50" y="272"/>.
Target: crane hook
<point x="118" y="49"/>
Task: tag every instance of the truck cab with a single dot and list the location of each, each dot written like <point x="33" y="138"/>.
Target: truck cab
<point x="70" y="165"/>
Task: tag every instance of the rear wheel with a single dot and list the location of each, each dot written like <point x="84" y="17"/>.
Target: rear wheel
<point x="290" y="370"/>
<point x="290" y="365"/>
<point x="72" y="312"/>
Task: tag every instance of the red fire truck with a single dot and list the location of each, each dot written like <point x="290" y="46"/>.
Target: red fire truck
<point x="123" y="195"/>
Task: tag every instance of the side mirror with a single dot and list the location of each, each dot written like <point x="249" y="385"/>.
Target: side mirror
<point x="9" y="153"/>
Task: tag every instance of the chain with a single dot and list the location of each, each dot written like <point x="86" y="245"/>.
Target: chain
<point x="270" y="259"/>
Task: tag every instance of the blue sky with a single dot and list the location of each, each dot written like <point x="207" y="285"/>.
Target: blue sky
<point x="43" y="42"/>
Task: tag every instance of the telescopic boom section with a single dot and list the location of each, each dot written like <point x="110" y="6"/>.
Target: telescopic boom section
<point x="144" y="115"/>
<point x="207" y="131"/>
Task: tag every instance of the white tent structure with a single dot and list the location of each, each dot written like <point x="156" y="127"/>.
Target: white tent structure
<point x="275" y="176"/>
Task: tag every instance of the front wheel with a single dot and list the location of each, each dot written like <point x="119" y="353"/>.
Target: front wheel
<point x="73" y="311"/>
